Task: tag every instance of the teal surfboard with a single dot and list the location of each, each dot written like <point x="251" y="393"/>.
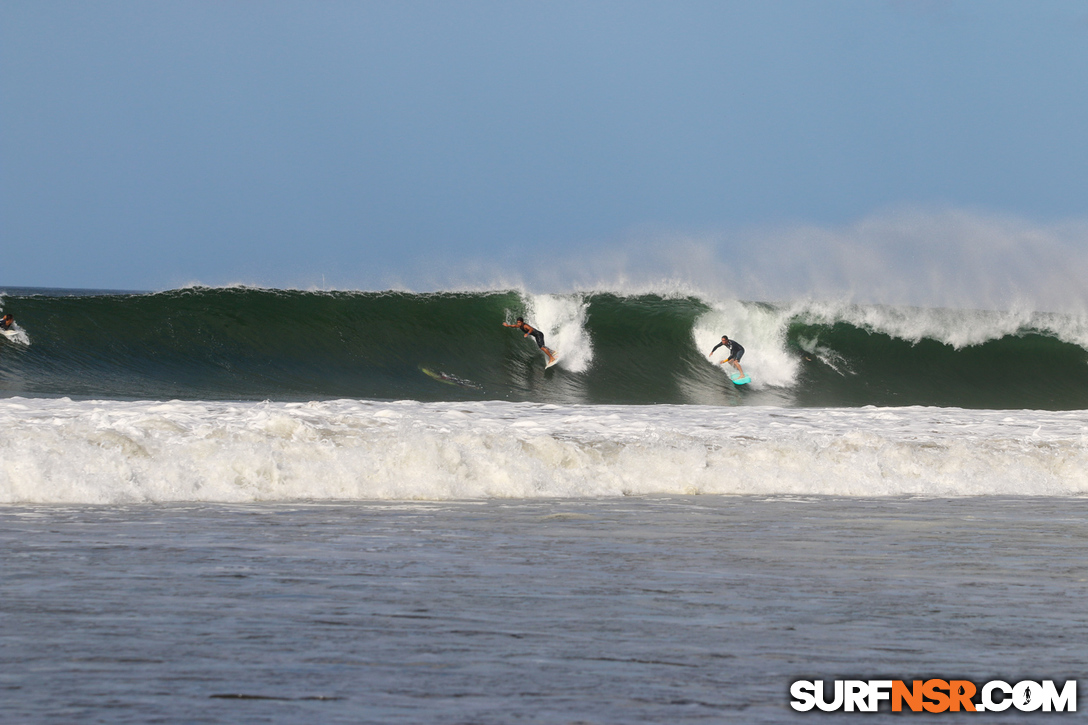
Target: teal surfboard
<point x="738" y="380"/>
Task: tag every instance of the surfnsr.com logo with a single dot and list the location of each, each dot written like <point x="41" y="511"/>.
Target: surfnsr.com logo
<point x="934" y="696"/>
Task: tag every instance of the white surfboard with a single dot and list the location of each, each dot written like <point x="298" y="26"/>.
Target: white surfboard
<point x="16" y="335"/>
<point x="549" y="363"/>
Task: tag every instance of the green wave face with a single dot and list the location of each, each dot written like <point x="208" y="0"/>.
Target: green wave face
<point x="1022" y="370"/>
<point x="245" y="344"/>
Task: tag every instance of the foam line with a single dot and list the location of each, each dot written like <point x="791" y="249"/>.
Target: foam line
<point x="62" y="451"/>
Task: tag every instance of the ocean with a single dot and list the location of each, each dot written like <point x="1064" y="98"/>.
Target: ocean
<point x="252" y="505"/>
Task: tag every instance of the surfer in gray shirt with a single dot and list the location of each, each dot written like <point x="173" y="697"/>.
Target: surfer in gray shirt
<point x="736" y="351"/>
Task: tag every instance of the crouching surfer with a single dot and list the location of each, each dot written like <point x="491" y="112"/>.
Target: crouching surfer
<point x="736" y="351"/>
<point x="537" y="335"/>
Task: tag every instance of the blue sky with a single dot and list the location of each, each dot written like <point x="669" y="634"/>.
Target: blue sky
<point x="146" y="145"/>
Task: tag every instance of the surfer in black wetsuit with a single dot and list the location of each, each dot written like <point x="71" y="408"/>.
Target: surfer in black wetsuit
<point x="7" y="322"/>
<point x="537" y="335"/>
<point x="736" y="351"/>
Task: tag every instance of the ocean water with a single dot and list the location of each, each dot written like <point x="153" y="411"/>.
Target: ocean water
<point x="242" y="505"/>
<point x="605" y="610"/>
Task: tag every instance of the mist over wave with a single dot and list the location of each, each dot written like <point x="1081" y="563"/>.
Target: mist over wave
<point x="243" y="343"/>
<point x="930" y="257"/>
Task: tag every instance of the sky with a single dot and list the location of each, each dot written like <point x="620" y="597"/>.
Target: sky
<point x="150" y="145"/>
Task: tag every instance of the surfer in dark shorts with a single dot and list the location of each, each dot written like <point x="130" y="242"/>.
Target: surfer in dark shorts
<point x="7" y="322"/>
<point x="736" y="351"/>
<point x="537" y="335"/>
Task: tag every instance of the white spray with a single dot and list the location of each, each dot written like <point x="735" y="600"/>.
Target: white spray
<point x="762" y="332"/>
<point x="562" y="319"/>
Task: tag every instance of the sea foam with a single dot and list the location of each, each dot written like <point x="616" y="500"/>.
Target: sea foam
<point x="112" y="452"/>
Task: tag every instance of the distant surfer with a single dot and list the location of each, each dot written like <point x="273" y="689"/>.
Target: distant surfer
<point x="537" y="335"/>
<point x="7" y="322"/>
<point x="736" y="352"/>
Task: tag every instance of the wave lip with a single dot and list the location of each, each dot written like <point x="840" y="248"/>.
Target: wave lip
<point x="112" y="452"/>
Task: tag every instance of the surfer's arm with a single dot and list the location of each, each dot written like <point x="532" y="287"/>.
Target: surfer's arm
<point x="520" y="327"/>
<point x="715" y="348"/>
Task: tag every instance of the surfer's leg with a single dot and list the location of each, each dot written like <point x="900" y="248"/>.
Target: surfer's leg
<point x="539" y="337"/>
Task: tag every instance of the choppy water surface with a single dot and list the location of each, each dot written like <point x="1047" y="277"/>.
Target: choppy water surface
<point x="612" y="610"/>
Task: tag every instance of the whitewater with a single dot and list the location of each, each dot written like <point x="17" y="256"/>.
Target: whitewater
<point x="117" y="452"/>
